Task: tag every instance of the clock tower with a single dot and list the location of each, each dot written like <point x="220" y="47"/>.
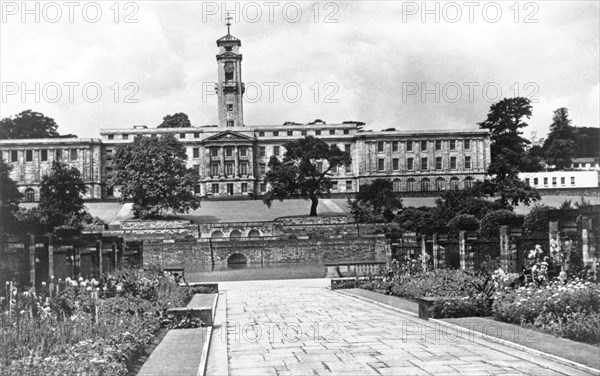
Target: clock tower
<point x="230" y="87"/>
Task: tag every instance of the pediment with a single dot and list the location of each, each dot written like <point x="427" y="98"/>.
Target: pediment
<point x="229" y="136"/>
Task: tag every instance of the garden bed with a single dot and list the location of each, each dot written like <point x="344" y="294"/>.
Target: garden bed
<point x="90" y="327"/>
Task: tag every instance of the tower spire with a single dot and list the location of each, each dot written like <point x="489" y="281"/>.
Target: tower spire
<point x="228" y="22"/>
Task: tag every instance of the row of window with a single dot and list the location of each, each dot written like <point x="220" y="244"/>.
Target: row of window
<point x="14" y="155"/>
<point x="563" y="181"/>
<point x="316" y="132"/>
<point x="410" y="163"/>
<point x="424" y="145"/>
<point x="425" y="184"/>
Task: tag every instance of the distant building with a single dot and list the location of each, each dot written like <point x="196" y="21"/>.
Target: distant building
<point x="560" y="179"/>
<point x="232" y="158"/>
<point x="586" y="164"/>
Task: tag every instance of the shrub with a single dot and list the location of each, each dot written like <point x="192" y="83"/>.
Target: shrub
<point x="464" y="222"/>
<point x="490" y="224"/>
<point x="537" y="219"/>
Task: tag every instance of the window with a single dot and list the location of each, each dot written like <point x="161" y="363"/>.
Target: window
<point x="527" y="181"/>
<point x="347" y="148"/>
<point x="228" y="48"/>
<point x="229" y="151"/>
<point x="29" y="195"/>
<point x="348" y="185"/>
<point x="454" y="184"/>
<point x="318" y="132"/>
<point x="535" y="181"/>
<point x="58" y="154"/>
<point x="230" y="123"/>
<point x="244" y="187"/>
<point x="229" y="169"/>
<point x="125" y="136"/>
<point x="380" y="164"/>
<point x="111" y="136"/>
<point x="410" y="164"/>
<point x="243" y="151"/>
<point x="262" y="168"/>
<point x="562" y="181"/>
<point x="320" y="167"/>
<point x="545" y="182"/>
<point x="228" y="76"/>
<point x="197" y="189"/>
<point x="109" y="172"/>
<point x="572" y="180"/>
<point x="410" y="185"/>
<point x="303" y="133"/>
<point x="196" y="134"/>
<point x="346" y="131"/>
<point x="214" y="152"/>
<point x="214" y="169"/>
<point x="453" y="163"/>
<point x="425" y="185"/>
<point x="394" y="145"/>
<point x="468" y="182"/>
<point x="467" y="144"/>
<point x="423" y="145"/>
<point x="438" y="163"/>
<point x="332" y="131"/>
<point x="276" y="133"/>
<point x="467" y="162"/>
<point x="409" y="145"/>
<point x="438" y="145"/>
<point x="452" y="144"/>
<point x="554" y="181"/>
<point x="423" y="163"/>
<point x="261" y="151"/>
<point x="110" y="191"/>
<point x="229" y="107"/>
<point x="380" y="146"/>
<point x="276" y="151"/>
<point x="196" y="152"/>
<point x="73" y="154"/>
<point x="440" y="184"/>
<point x="244" y="168"/>
<point x="28" y="155"/>
<point x="334" y="185"/>
<point x="348" y="168"/>
<point x="263" y="187"/>
<point x="290" y="133"/>
<point x="215" y="188"/>
<point x="44" y="155"/>
<point x="261" y="134"/>
<point x="182" y="135"/>
<point x="395" y="164"/>
<point x="396" y="185"/>
<point x="14" y="156"/>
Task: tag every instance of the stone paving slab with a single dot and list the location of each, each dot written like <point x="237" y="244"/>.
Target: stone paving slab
<point x="288" y="325"/>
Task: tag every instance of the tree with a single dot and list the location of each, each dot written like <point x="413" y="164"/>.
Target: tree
<point x="490" y="224"/>
<point x="28" y="124"/>
<point x="560" y="147"/>
<point x="178" y="120"/>
<point x="152" y="172"/>
<point x="9" y="198"/>
<point x="416" y="219"/>
<point x="305" y="171"/>
<point x="538" y="218"/>
<point x="456" y="202"/>
<point x="505" y="121"/>
<point x="375" y="202"/>
<point x="61" y="201"/>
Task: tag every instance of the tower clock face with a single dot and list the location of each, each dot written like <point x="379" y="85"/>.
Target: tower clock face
<point x="228" y="67"/>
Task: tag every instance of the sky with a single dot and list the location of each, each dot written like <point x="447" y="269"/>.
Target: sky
<point x="392" y="64"/>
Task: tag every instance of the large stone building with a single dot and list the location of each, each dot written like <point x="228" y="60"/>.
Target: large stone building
<point x="231" y="157"/>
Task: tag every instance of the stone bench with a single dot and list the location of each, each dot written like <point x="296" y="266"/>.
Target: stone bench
<point x="210" y="285"/>
<point x="352" y="268"/>
<point x="336" y="282"/>
<point x="202" y="306"/>
<point x="426" y="302"/>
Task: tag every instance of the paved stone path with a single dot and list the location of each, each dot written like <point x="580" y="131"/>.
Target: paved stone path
<point x="298" y="327"/>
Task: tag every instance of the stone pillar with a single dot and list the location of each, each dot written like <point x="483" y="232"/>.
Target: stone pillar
<point x="31" y="243"/>
<point x="554" y="241"/>
<point x="505" y="261"/>
<point x="222" y="164"/>
<point x="114" y="252"/>
<point x="99" y="252"/>
<point x="236" y="166"/>
<point x="462" y="249"/>
<point x="588" y="247"/>
<point x="436" y="250"/>
<point x="50" y="257"/>
<point x="424" y="251"/>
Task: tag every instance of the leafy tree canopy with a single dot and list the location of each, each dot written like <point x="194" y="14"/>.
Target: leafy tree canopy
<point x="28" y="124"/>
<point x="9" y="197"/>
<point x="61" y="201"/>
<point x="588" y="142"/>
<point x="560" y="147"/>
<point x="490" y="224"/>
<point x="151" y="171"/>
<point x="468" y="201"/>
<point x="305" y="171"/>
<point x="375" y="202"/>
<point x="416" y="219"/>
<point x="178" y="120"/>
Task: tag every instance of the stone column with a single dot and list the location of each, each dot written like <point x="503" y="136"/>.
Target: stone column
<point x="505" y="249"/>
<point x="222" y="164"/>
<point x="462" y="249"/>
<point x="114" y="252"/>
<point x="99" y="252"/>
<point x="31" y="243"/>
<point x="424" y="251"/>
<point x="50" y="257"/>
<point x="236" y="167"/>
<point x="588" y="246"/>
<point x="436" y="248"/>
<point x="554" y="241"/>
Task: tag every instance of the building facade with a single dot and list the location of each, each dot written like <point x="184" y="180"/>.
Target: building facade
<point x="231" y="158"/>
